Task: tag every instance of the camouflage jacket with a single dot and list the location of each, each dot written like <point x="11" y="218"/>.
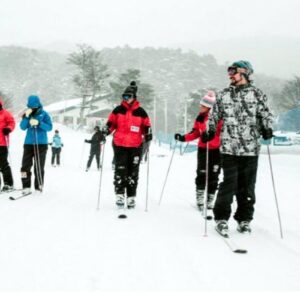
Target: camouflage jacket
<point x="244" y="111"/>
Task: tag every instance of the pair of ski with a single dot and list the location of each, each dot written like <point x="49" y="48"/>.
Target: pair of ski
<point x="225" y="236"/>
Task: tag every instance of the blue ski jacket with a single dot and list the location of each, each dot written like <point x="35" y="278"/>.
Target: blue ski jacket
<point x="37" y="134"/>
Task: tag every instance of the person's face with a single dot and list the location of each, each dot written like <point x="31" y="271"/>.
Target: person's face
<point x="128" y="98"/>
<point x="204" y="109"/>
<point x="235" y="77"/>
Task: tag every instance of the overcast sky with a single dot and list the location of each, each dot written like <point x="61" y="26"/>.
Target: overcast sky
<point x="138" y="23"/>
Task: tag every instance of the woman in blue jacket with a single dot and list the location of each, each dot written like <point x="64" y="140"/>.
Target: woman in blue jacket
<point x="36" y="122"/>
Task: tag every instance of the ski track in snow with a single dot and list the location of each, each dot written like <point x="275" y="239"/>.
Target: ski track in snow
<point x="58" y="241"/>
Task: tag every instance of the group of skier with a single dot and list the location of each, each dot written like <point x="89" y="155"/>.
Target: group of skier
<point x="229" y="126"/>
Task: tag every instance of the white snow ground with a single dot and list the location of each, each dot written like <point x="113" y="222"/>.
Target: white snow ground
<point x="58" y="241"/>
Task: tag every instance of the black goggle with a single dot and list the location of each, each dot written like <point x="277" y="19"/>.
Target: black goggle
<point x="232" y="71"/>
<point x="126" y="97"/>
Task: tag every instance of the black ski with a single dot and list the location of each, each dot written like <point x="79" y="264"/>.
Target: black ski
<point x="231" y="244"/>
<point x="122" y="212"/>
<point x="20" y="196"/>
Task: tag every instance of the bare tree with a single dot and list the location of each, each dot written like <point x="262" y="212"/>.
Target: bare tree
<point x="90" y="76"/>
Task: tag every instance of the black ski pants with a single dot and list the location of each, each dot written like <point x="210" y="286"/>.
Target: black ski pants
<point x="213" y="169"/>
<point x="239" y="180"/>
<point x="4" y="166"/>
<point x="55" y="154"/>
<point x="33" y="154"/>
<point x="127" y="163"/>
<point x="91" y="157"/>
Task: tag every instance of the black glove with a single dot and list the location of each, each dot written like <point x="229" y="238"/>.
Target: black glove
<point x="179" y="137"/>
<point x="86" y="141"/>
<point x="148" y="137"/>
<point x="6" y="131"/>
<point x="207" y="136"/>
<point x="267" y="133"/>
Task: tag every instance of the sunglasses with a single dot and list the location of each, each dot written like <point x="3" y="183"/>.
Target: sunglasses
<point x="126" y="97"/>
<point x="232" y="71"/>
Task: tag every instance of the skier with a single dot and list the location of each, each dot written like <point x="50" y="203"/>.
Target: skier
<point x="97" y="139"/>
<point x="36" y="121"/>
<point x="7" y="125"/>
<point x="130" y="123"/>
<point x="56" y="147"/>
<point x="199" y="127"/>
<point x="246" y="116"/>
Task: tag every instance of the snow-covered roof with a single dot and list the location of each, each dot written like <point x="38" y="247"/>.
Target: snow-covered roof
<point x="62" y="105"/>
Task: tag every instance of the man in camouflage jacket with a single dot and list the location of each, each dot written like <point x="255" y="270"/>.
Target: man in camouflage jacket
<point x="246" y="116"/>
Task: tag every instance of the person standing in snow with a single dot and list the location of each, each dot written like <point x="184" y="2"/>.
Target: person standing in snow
<point x="199" y="127"/>
<point x="96" y="141"/>
<point x="37" y="122"/>
<point x="130" y="124"/>
<point x="246" y="117"/>
<point x="7" y="125"/>
<point x="56" y="147"/>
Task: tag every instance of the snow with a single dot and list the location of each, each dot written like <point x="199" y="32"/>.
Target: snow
<point x="58" y="241"/>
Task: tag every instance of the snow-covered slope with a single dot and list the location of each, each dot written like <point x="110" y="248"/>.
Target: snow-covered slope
<point x="58" y="241"/>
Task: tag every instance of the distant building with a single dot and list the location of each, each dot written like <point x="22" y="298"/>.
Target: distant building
<point x="67" y="112"/>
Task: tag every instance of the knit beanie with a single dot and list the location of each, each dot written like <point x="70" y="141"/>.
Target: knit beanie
<point x="209" y="99"/>
<point x="131" y="89"/>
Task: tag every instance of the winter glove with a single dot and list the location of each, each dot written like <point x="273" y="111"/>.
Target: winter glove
<point x="28" y="112"/>
<point x="179" y="137"/>
<point x="148" y="137"/>
<point x="267" y="133"/>
<point x="86" y="141"/>
<point x="34" y="122"/>
<point x="207" y="136"/>
<point x="6" y="131"/>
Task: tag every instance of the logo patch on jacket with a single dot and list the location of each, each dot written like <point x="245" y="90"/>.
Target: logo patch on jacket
<point x="134" y="128"/>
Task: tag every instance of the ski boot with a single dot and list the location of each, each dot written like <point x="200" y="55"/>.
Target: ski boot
<point x="200" y="199"/>
<point x="7" y="188"/>
<point x="244" y="227"/>
<point x="222" y="228"/>
<point x="130" y="202"/>
<point x="120" y="200"/>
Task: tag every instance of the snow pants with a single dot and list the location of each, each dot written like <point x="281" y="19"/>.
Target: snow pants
<point x="213" y="169"/>
<point x="93" y="154"/>
<point x="239" y="180"/>
<point x="55" y="154"/>
<point x="4" y="166"/>
<point x="33" y="154"/>
<point x="127" y="163"/>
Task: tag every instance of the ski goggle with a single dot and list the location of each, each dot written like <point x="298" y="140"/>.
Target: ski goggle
<point x="126" y="97"/>
<point x="232" y="71"/>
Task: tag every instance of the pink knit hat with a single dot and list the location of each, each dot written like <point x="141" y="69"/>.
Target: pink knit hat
<point x="209" y="99"/>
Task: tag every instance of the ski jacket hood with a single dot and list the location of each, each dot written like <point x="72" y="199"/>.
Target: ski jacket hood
<point x="34" y="101"/>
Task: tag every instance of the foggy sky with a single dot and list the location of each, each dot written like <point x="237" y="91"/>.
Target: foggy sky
<point x="139" y="23"/>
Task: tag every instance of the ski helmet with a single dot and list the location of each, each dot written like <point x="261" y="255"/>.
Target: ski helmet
<point x="242" y="66"/>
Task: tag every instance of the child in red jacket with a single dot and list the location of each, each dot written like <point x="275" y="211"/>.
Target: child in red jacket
<point x="199" y="127"/>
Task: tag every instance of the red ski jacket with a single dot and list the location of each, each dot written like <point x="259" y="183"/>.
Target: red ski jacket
<point x="6" y="121"/>
<point x="199" y="127"/>
<point x="129" y="123"/>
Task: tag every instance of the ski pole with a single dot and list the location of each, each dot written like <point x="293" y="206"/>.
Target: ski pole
<point x="8" y="150"/>
<point x="37" y="160"/>
<point x="274" y="190"/>
<point x="147" y="187"/>
<point x="206" y="191"/>
<point x="162" y="192"/>
<point x="100" y="180"/>
<point x="187" y="144"/>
